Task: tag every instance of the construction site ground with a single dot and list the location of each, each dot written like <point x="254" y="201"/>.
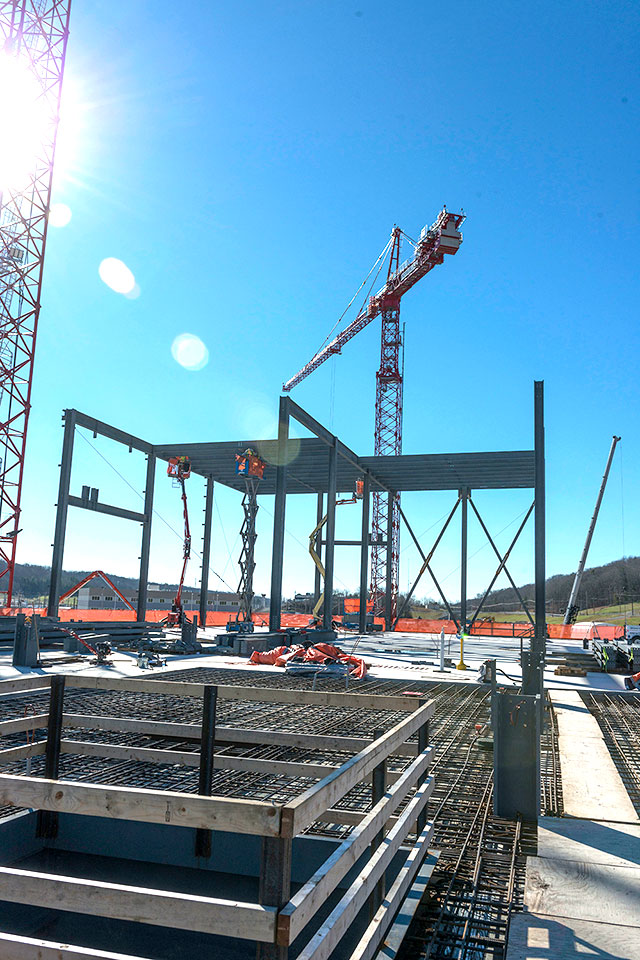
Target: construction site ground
<point x="500" y="889"/>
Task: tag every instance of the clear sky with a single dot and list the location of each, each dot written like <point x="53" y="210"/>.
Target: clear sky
<point x="247" y="159"/>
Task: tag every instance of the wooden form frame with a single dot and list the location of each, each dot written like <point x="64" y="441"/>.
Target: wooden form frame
<point x="279" y="918"/>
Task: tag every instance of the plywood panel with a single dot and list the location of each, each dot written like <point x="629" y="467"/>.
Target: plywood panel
<point x="613" y="844"/>
<point x="583" y="891"/>
<point x="535" y="937"/>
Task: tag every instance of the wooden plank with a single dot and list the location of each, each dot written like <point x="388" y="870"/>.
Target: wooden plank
<point x="175" y="688"/>
<point x="191" y="731"/>
<point x="342" y="916"/>
<point x="302" y="811"/>
<point x="147" y="806"/>
<point x="533" y="936"/>
<point x="309" y="898"/>
<point x="21" y="724"/>
<point x="583" y="891"/>
<point x="36" y="749"/>
<point x="27" y="948"/>
<point x="30" y="682"/>
<point x="189" y="759"/>
<point x="383" y="918"/>
<point x="393" y="940"/>
<point x="227" y="918"/>
<point x="614" y="844"/>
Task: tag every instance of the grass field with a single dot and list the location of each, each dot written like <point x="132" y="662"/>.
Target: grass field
<point x="618" y="613"/>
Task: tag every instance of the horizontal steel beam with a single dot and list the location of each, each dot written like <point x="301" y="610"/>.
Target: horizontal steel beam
<point x="111" y="511"/>
<point x="106" y="430"/>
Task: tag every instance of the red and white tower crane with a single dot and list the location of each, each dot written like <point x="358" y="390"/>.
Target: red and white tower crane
<point x="33" y="42"/>
<point x="443" y="237"/>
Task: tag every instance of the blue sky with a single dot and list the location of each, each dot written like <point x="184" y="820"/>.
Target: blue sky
<point x="247" y="161"/>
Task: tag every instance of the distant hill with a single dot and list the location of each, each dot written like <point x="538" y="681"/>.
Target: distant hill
<point x="601" y="586"/>
<point x="31" y="580"/>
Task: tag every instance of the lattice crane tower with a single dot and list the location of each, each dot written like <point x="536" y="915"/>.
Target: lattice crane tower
<point x="33" y="42"/>
<point x="443" y="237"/>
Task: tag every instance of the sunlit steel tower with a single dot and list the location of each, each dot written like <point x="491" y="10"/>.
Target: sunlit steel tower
<point x="33" y="42"/>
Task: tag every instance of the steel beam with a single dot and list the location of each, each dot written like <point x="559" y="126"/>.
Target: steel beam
<point x="388" y="586"/>
<point x="317" y="581"/>
<point x="364" y="555"/>
<point x="145" y="547"/>
<point x="107" y="508"/>
<point x="206" y="552"/>
<point x="540" y="632"/>
<point x="106" y="430"/>
<point x="327" y="610"/>
<point x="464" y="495"/>
<point x="277" y="552"/>
<point x="61" y="514"/>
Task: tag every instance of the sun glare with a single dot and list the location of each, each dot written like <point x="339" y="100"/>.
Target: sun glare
<point x="26" y="122"/>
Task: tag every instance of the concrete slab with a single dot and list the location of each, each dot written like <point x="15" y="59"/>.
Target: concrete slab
<point x="610" y="844"/>
<point x="536" y="937"/>
<point x="591" y="785"/>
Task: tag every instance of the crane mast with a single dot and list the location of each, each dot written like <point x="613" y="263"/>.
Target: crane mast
<point x="33" y="42"/>
<point x="442" y="237"/>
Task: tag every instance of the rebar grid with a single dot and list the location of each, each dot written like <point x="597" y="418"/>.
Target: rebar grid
<point x="618" y="716"/>
<point x="479" y="877"/>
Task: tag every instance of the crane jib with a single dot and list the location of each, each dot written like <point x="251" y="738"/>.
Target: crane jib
<point x="442" y="238"/>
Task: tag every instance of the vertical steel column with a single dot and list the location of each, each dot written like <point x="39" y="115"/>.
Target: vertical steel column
<point x="332" y="480"/>
<point x="207" y="745"/>
<point x="391" y="584"/>
<point x="47" y="825"/>
<point x="464" y="493"/>
<point x="364" y="554"/>
<point x="61" y="515"/>
<point x="275" y="886"/>
<point x="317" y="583"/>
<point x="206" y="551"/>
<point x="277" y="553"/>
<point x="540" y="632"/>
<point x="145" y="549"/>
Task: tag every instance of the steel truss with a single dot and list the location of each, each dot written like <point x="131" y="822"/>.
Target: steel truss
<point x="33" y="33"/>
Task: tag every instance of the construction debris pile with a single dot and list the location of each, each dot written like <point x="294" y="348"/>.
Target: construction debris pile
<point x="312" y="655"/>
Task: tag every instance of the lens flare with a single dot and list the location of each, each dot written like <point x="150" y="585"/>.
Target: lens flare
<point x="190" y="352"/>
<point x="117" y="275"/>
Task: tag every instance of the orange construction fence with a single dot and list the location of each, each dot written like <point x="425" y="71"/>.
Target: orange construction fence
<point x="489" y="628"/>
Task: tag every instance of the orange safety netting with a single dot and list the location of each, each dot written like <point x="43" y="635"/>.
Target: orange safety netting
<point x="556" y="631"/>
<point x="319" y="653"/>
<point x="352" y="605"/>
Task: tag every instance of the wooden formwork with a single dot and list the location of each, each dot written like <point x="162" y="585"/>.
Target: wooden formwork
<point x="397" y="810"/>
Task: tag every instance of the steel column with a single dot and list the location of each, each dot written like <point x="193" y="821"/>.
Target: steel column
<point x="391" y="582"/>
<point x="317" y="582"/>
<point x="540" y="632"/>
<point x="327" y="612"/>
<point x="207" y="746"/>
<point x="464" y="493"/>
<point x="206" y="551"/>
<point x="47" y="825"/>
<point x="378" y="787"/>
<point x="364" y="555"/>
<point x="145" y="550"/>
<point x="61" y="514"/>
<point x="277" y="553"/>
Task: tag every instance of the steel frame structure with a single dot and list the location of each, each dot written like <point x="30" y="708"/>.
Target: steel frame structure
<point x="248" y="537"/>
<point x="36" y="34"/>
<point x="323" y="465"/>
